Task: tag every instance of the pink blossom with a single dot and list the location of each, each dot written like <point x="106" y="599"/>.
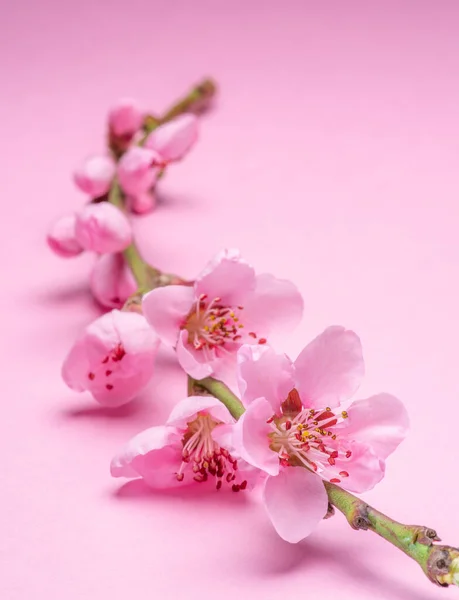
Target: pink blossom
<point x="227" y="306"/>
<point x="175" y="138"/>
<point x="138" y="169"/>
<point x="293" y="420"/>
<point x="143" y="202"/>
<point x="61" y="237"/>
<point x="113" y="359"/>
<point x="125" y="118"/>
<point x="95" y="175"/>
<point x="102" y="228"/>
<point x="112" y="281"/>
<point x="190" y="448"/>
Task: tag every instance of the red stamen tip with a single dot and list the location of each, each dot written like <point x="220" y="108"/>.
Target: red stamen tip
<point x="109" y="386"/>
<point x="262" y="341"/>
<point x="335" y="480"/>
<point x="91" y="376"/>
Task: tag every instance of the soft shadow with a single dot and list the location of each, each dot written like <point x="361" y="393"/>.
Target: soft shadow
<point x="165" y="199"/>
<point x="355" y="563"/>
<point x="137" y="490"/>
<point x="102" y="412"/>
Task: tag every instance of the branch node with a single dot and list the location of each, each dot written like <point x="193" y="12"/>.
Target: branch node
<point x="425" y="535"/>
<point x="359" y="519"/>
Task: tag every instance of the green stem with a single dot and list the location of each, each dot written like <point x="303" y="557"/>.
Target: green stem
<point x="220" y="391"/>
<point x="439" y="563"/>
<point x="196" y="100"/>
<point x="145" y="275"/>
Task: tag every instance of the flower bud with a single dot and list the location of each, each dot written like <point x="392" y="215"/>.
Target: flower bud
<point x="61" y="237"/>
<point x="174" y="139"/>
<point x="113" y="359"/>
<point x="112" y="282"/>
<point x="142" y="203"/>
<point x="125" y="118"/>
<point x="138" y="169"/>
<point x="95" y="175"/>
<point x="103" y="228"/>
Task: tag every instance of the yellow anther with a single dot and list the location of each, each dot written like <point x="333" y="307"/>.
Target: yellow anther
<point x="240" y="326"/>
<point x="344" y="414"/>
<point x="328" y="408"/>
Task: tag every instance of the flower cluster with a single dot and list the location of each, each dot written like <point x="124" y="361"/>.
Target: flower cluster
<point x="135" y="160"/>
<point x="297" y="426"/>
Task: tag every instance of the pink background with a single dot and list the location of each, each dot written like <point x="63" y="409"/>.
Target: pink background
<point x="331" y="159"/>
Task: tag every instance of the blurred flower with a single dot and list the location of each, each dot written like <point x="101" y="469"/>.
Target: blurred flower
<point x="95" y="175"/>
<point x="173" y="140"/>
<point x="102" y="228"/>
<point x="61" y="237"/>
<point x="125" y="118"/>
<point x="112" y="282"/>
<point x="189" y="448"/>
<point x="291" y="429"/>
<point x="113" y="359"/>
<point x="138" y="169"/>
<point x="227" y="306"/>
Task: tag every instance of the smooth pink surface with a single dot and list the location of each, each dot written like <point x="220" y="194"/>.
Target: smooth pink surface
<point x="331" y="160"/>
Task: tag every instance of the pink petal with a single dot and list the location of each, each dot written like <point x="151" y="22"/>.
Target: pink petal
<point x="186" y="410"/>
<point x="61" y="237"/>
<point x="166" y="309"/>
<point x="76" y="367"/>
<point x="329" y="370"/>
<point x="95" y="175"/>
<point x="154" y="454"/>
<point x="103" y="228"/>
<point x="276" y="304"/>
<point x="296" y="502"/>
<point x="263" y="373"/>
<point x="364" y="468"/>
<point x="125" y="118"/>
<point x="138" y="169"/>
<point x="251" y="440"/>
<point x="111" y="281"/>
<point x="175" y="138"/>
<point x="192" y="361"/>
<point x="227" y="277"/>
<point x="380" y="421"/>
<point x="91" y="365"/>
<point x="142" y="203"/>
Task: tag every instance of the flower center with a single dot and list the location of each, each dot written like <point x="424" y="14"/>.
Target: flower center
<point x="204" y="457"/>
<point x="108" y="365"/>
<point x="305" y="437"/>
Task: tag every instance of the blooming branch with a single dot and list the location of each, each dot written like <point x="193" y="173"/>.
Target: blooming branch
<point x="288" y="428"/>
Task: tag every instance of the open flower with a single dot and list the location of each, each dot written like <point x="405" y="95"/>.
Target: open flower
<point x="112" y="281"/>
<point x="95" y="175"/>
<point x="227" y="306"/>
<point x="189" y="448"/>
<point x="61" y="237"/>
<point x="102" y="228"/>
<point x="294" y="430"/>
<point x="175" y="138"/>
<point x="113" y="359"/>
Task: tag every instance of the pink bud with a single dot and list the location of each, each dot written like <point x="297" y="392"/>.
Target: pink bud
<point x="95" y="175"/>
<point x="125" y="118"/>
<point x="175" y="138"/>
<point x="112" y="281"/>
<point x="61" y="237"/>
<point x="102" y="228"/>
<point x="113" y="359"/>
<point x="138" y="169"/>
<point x="142" y="203"/>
